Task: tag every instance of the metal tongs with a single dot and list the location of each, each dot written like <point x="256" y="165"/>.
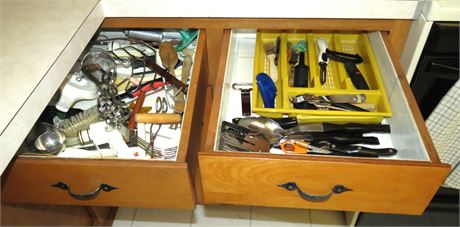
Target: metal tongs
<point x="332" y="102"/>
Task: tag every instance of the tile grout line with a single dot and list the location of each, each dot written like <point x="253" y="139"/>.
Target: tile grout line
<point x="309" y="218"/>
<point x="191" y="216"/>
<point x="250" y="216"/>
<point x="133" y="219"/>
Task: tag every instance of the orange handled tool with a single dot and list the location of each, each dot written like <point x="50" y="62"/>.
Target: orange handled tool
<point x="295" y="147"/>
<point x="136" y="109"/>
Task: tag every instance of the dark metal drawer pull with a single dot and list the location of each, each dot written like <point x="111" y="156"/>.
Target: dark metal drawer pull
<point x="86" y="196"/>
<point x="337" y="189"/>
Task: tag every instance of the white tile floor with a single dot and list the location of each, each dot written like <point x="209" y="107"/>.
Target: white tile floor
<point x="231" y="216"/>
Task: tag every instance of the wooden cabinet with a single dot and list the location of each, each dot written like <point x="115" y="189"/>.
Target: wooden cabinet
<point x="136" y="183"/>
<point x="401" y="185"/>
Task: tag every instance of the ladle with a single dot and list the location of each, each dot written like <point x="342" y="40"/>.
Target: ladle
<point x="54" y="141"/>
<point x="51" y="142"/>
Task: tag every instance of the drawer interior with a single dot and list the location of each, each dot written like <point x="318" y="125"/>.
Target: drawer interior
<point x="125" y="56"/>
<point x="404" y="135"/>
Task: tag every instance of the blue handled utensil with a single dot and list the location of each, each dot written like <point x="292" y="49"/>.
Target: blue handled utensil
<point x="267" y="89"/>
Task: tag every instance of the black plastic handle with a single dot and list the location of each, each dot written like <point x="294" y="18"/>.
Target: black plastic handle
<point x="343" y="139"/>
<point x="286" y="122"/>
<point x="301" y="72"/>
<point x="356" y="128"/>
<point x="85" y="196"/>
<point x="344" y="57"/>
<point x="356" y="76"/>
<point x="362" y="151"/>
<point x="337" y="189"/>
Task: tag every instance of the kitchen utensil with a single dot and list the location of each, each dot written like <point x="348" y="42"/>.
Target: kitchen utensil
<point x="301" y="72"/>
<point x="360" y="98"/>
<point x="271" y="130"/>
<point x="277" y="50"/>
<point x="132" y="120"/>
<point x="343" y="57"/>
<point x="51" y="142"/>
<point x="356" y="76"/>
<point x="158" y="118"/>
<point x="188" y="35"/>
<point x="161" y="116"/>
<point x="245" y="89"/>
<point x="274" y="132"/>
<point x="309" y="101"/>
<point x="322" y="59"/>
<point x="336" y="137"/>
<point x="345" y="128"/>
<point x="234" y="137"/>
<point x="179" y="106"/>
<point x="286" y="122"/>
<point x="267" y="90"/>
<point x="299" y="147"/>
<point x="136" y="109"/>
<point x="270" y="54"/>
<point x="323" y="147"/>
<point x="185" y="36"/>
<point x="350" y="61"/>
<point x="81" y="121"/>
<point x="296" y="49"/>
<point x="170" y="78"/>
<point x="350" y="150"/>
<point x="103" y="61"/>
<point x="76" y="89"/>
<point x="155" y="36"/>
<point x="168" y="56"/>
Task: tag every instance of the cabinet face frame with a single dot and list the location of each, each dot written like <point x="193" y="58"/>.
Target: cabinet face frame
<point x="212" y="70"/>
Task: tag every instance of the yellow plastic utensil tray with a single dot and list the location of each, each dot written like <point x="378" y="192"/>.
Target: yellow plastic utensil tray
<point x="337" y="83"/>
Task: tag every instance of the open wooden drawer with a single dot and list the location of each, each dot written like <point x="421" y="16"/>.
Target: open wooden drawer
<point x="110" y="182"/>
<point x="404" y="183"/>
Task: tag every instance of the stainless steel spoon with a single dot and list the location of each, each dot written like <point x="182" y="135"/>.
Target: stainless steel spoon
<point x="51" y="142"/>
<point x="271" y="130"/>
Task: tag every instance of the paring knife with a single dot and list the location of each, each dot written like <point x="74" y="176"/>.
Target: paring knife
<point x="329" y="127"/>
<point x="356" y="76"/>
<point x="322" y="59"/>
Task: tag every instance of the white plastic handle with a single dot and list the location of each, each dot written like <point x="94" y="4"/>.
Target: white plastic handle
<point x="273" y="69"/>
<point x="322" y="46"/>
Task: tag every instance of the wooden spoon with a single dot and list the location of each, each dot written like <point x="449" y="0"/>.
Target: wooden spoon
<point x="168" y="56"/>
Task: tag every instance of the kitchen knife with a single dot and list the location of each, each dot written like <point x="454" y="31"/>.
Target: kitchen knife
<point x="346" y="128"/>
<point x="356" y="76"/>
<point x="336" y="138"/>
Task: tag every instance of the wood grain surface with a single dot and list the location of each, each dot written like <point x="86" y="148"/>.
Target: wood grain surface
<point x="140" y="183"/>
<point x="385" y="188"/>
<point x="378" y="185"/>
<point x="186" y="125"/>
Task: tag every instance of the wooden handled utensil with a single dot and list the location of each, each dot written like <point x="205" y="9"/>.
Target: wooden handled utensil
<point x="179" y="106"/>
<point x="158" y="118"/>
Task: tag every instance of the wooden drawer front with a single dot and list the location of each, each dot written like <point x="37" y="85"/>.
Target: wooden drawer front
<point x="139" y="183"/>
<point x="385" y="188"/>
<point x="404" y="183"/>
